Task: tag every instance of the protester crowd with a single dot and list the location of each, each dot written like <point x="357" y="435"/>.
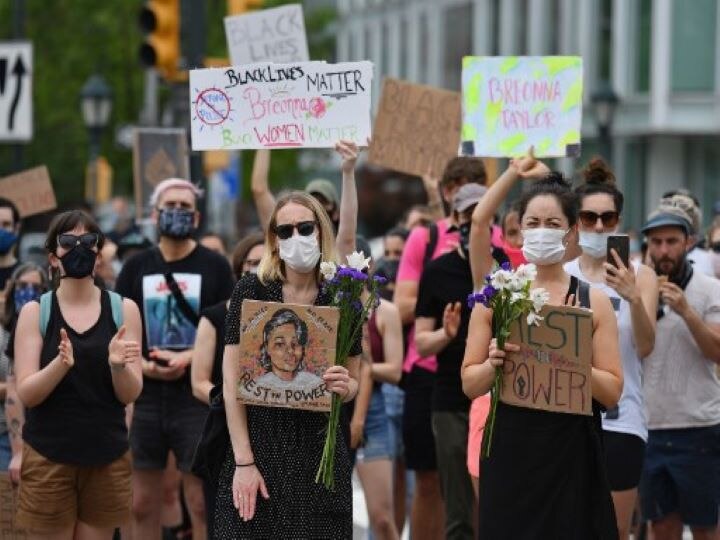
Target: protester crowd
<point x="119" y="368"/>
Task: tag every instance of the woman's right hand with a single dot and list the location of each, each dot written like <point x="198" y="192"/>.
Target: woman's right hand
<point x="246" y="483"/>
<point x="496" y="356"/>
<point x="14" y="468"/>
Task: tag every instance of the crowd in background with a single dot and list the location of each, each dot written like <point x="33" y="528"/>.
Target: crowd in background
<point x="109" y="380"/>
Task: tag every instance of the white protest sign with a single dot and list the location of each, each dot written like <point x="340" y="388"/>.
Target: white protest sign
<point x="305" y="104"/>
<point x="16" y="123"/>
<point x="271" y="35"/>
<point x="511" y="103"/>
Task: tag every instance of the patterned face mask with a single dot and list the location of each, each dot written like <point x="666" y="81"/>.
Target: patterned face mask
<point x="25" y="293"/>
<point x="176" y="223"/>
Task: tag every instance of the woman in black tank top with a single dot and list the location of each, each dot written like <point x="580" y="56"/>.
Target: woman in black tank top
<point x="545" y="477"/>
<point x="76" y="372"/>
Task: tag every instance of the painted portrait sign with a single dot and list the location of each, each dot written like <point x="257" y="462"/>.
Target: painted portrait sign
<point x="284" y="351"/>
<point x="551" y="371"/>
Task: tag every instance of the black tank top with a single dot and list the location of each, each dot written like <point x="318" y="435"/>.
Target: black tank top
<point x="216" y="315"/>
<point x="81" y="422"/>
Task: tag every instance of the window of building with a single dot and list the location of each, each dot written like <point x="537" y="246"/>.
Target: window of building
<point x="385" y="49"/>
<point x="693" y="45"/>
<point x="424" y="74"/>
<point x="702" y="164"/>
<point x="458" y="43"/>
<point x="404" y="48"/>
<point x="633" y="181"/>
<point x="605" y="15"/>
<point x="643" y="40"/>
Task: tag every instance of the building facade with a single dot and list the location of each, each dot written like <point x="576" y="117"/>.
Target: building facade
<point x="660" y="57"/>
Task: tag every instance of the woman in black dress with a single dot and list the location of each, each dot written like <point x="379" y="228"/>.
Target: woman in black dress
<point x="276" y="451"/>
<point x="545" y="477"/>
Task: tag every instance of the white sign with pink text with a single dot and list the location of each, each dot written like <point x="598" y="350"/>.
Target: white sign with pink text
<point x="297" y="105"/>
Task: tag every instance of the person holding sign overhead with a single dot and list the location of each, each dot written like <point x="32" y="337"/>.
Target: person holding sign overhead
<point x="267" y="487"/>
<point x="545" y="476"/>
<point x="633" y="293"/>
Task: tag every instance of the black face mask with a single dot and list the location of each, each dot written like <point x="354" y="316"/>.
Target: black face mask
<point x="464" y="230"/>
<point x="176" y="223"/>
<point x="79" y="262"/>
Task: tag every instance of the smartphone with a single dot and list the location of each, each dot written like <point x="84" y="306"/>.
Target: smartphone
<point x="160" y="362"/>
<point x="621" y="244"/>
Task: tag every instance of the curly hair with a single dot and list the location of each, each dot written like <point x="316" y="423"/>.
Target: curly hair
<point x="280" y="318"/>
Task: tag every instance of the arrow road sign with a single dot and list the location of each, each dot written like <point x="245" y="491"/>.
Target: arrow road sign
<point x="15" y="91"/>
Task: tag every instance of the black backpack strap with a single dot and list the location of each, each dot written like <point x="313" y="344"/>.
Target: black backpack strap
<point x="182" y="303"/>
<point x="432" y="242"/>
<point x="584" y="294"/>
<point x="572" y="289"/>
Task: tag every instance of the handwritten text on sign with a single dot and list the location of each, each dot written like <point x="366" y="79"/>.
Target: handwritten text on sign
<point x="552" y="370"/>
<point x="284" y="351"/>
<point x="30" y="190"/>
<point x="417" y="128"/>
<point x="307" y="104"/>
<point x="271" y="35"/>
<point x="514" y="102"/>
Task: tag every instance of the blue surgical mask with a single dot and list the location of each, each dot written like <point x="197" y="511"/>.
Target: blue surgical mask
<point x="176" y="223"/>
<point x="7" y="240"/>
<point x="24" y="294"/>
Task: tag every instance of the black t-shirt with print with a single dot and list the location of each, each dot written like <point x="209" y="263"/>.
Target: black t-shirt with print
<point x="204" y="277"/>
<point x="444" y="280"/>
<point x="6" y="272"/>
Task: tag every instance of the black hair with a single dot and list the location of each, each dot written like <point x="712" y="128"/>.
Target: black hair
<point x="66" y="222"/>
<point x="7" y="203"/>
<point x="599" y="178"/>
<point x="280" y="318"/>
<point x="556" y="185"/>
<point x="400" y="232"/>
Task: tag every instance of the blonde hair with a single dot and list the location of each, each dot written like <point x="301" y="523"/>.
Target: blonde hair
<point x="271" y="266"/>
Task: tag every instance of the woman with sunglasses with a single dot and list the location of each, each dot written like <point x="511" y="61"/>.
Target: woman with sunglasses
<point x="27" y="282"/>
<point x="276" y="451"/>
<point x="634" y="294"/>
<point x="545" y="476"/>
<point x="76" y="371"/>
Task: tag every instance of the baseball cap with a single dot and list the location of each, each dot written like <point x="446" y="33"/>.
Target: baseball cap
<point x="667" y="219"/>
<point x="325" y="188"/>
<point x="468" y="195"/>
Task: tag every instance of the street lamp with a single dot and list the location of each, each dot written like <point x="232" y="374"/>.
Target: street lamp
<point x="96" y="105"/>
<point x="604" y="100"/>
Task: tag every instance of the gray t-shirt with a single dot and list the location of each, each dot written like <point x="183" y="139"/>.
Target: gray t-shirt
<point x="681" y="386"/>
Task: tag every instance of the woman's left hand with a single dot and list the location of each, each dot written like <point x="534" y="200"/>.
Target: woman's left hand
<point x="620" y="278"/>
<point x="349" y="152"/>
<point x="337" y="379"/>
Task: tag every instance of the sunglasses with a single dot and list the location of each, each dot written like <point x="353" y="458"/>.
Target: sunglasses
<point x="304" y="228"/>
<point x="589" y="219"/>
<point x="715" y="247"/>
<point x="69" y="241"/>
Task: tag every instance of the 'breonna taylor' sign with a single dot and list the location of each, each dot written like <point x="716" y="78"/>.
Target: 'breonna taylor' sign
<point x="303" y="104"/>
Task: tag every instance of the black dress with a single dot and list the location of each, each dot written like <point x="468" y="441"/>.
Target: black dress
<point x="287" y="445"/>
<point x="546" y="477"/>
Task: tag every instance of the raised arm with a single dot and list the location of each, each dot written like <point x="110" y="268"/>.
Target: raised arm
<point x="347" y="228"/>
<point x="435" y="204"/>
<point x="263" y="197"/>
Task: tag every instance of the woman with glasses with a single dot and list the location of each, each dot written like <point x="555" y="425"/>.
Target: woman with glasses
<point x="633" y="292"/>
<point x="76" y="371"/>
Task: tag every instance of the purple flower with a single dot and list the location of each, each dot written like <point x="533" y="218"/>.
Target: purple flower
<point x="360" y="276"/>
<point x="505" y="266"/>
<point x="488" y="292"/>
<point x="477" y="298"/>
<point x="344" y="271"/>
<point x="380" y="280"/>
<point x="357" y="305"/>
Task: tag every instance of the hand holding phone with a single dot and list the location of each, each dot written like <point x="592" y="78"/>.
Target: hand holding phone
<point x="621" y="244"/>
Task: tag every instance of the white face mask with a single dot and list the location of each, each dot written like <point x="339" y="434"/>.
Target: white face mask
<point x="594" y="244"/>
<point x="301" y="253"/>
<point x="543" y="246"/>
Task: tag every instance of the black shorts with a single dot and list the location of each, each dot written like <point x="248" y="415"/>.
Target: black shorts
<point x="166" y="417"/>
<point x="624" y="456"/>
<point x="417" y="432"/>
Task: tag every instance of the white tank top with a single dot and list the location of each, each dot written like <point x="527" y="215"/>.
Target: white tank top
<point x="631" y="416"/>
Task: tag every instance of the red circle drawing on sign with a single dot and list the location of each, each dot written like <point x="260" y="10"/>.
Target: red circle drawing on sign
<point x="212" y="106"/>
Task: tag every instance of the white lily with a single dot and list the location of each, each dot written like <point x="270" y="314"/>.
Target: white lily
<point x="517" y="297"/>
<point x="328" y="270"/>
<point x="501" y="279"/>
<point x="357" y="260"/>
<point x="539" y="297"/>
<point x="534" y="319"/>
<point x="526" y="272"/>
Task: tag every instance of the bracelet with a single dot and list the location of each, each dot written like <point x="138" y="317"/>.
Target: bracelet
<point x="240" y="465"/>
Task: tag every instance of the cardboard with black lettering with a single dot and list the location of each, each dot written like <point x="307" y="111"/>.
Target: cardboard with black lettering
<point x="552" y="370"/>
<point x="8" y="505"/>
<point x="284" y="351"/>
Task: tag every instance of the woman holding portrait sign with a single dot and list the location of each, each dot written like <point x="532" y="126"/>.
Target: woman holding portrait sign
<point x="267" y="485"/>
<point x="545" y="475"/>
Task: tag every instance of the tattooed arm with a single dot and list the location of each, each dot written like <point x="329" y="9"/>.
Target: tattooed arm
<point x="15" y="416"/>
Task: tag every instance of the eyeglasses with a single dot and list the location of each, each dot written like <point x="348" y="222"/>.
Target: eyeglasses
<point x="715" y="246"/>
<point x="304" y="228"/>
<point x="589" y="219"/>
<point x="69" y="241"/>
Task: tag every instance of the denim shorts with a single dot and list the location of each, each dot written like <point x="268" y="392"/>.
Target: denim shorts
<point x="5" y="451"/>
<point x="682" y="474"/>
<point x="394" y="405"/>
<point x="376" y="437"/>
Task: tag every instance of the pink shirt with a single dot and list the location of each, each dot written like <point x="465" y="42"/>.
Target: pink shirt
<point x="411" y="267"/>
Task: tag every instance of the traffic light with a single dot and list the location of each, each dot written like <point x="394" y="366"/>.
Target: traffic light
<point x="160" y="21"/>
<point x="236" y="7"/>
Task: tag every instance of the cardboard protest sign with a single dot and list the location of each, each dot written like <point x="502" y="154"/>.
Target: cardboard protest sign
<point x="30" y="190"/>
<point x="552" y="370"/>
<point x="306" y="104"/>
<point x="158" y="154"/>
<point x="284" y="351"/>
<point x="417" y="128"/>
<point x="8" y="504"/>
<point x="513" y="102"/>
<point x="271" y="35"/>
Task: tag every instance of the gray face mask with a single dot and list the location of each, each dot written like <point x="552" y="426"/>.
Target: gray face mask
<point x="594" y="244"/>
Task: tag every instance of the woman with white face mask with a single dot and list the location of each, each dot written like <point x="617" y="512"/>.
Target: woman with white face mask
<point x="634" y="294"/>
<point x="266" y="487"/>
<point x="545" y="476"/>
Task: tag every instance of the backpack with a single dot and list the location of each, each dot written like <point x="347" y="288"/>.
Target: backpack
<point x="46" y="303"/>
